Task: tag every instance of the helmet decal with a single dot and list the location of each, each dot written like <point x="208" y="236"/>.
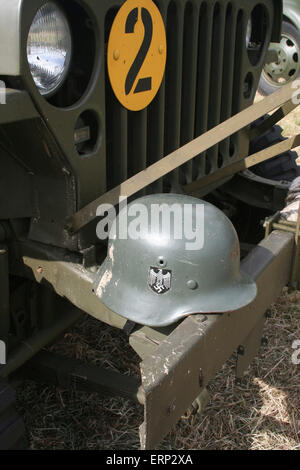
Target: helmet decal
<point x="159" y="280"/>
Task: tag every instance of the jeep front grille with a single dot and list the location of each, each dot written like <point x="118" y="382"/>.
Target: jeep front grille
<point x="206" y="82"/>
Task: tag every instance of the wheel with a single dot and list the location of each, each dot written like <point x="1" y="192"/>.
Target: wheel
<point x="12" y="429"/>
<point x="287" y="69"/>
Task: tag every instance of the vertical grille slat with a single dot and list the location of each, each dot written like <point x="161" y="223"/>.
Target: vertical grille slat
<point x="155" y="140"/>
<point x="237" y="85"/>
<point x="137" y="143"/>
<point x="156" y="125"/>
<point x="173" y="84"/>
<point x="216" y="76"/>
<point x="116" y="126"/>
<point x="189" y="80"/>
<point x="228" y="75"/>
<point x="203" y="79"/>
<point x="117" y="146"/>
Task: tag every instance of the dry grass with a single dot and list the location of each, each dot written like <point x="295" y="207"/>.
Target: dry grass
<point x="261" y="413"/>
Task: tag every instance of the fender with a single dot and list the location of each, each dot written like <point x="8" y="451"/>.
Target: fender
<point x="291" y="11"/>
<point x="10" y="40"/>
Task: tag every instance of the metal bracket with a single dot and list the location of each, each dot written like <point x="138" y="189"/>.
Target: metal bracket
<point x="276" y="223"/>
<point x="271" y="56"/>
<point x="65" y="372"/>
<point x="249" y="348"/>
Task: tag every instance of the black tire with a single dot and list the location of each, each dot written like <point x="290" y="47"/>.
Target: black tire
<point x="12" y="429"/>
<point x="280" y="168"/>
<point x="289" y="62"/>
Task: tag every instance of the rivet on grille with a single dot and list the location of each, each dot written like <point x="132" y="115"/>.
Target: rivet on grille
<point x="116" y="54"/>
<point x="161" y="49"/>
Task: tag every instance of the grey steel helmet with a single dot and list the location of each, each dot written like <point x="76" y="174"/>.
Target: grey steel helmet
<point x="158" y="278"/>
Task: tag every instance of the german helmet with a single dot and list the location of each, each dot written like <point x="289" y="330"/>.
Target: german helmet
<point x="170" y="256"/>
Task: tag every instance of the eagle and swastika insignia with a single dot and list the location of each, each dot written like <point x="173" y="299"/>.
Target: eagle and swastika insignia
<point x="159" y="280"/>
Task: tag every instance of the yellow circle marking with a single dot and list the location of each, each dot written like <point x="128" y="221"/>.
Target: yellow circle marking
<point x="137" y="53"/>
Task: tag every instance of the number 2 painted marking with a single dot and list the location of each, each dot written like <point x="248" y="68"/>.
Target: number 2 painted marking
<point x="144" y="84"/>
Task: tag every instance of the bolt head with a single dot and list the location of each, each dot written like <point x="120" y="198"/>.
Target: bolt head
<point x="161" y="49"/>
<point x="192" y="284"/>
<point x="116" y="54"/>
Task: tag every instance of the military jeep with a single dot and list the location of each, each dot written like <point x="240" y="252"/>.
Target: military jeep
<point x="101" y="100"/>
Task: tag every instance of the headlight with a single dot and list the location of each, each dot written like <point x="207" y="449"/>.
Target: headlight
<point x="249" y="32"/>
<point x="49" y="47"/>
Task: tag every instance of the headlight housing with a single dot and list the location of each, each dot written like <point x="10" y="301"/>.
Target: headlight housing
<point x="49" y="48"/>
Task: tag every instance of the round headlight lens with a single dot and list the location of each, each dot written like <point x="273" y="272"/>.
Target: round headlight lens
<point x="49" y="48"/>
<point x="249" y="32"/>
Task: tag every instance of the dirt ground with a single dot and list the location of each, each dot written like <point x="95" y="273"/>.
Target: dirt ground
<point x="263" y="412"/>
